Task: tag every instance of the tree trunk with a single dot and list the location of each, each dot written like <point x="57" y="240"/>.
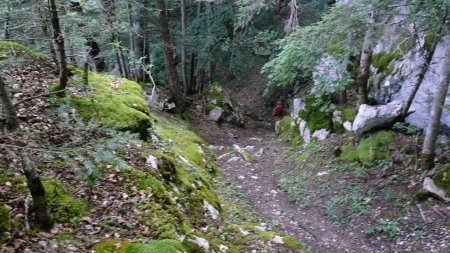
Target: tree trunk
<point x="12" y="123"/>
<point x="424" y="67"/>
<point x="192" y="75"/>
<point x="59" y="39"/>
<point x="436" y="112"/>
<point x="364" y="68"/>
<point x="183" y="49"/>
<point x="37" y="192"/>
<point x="174" y="82"/>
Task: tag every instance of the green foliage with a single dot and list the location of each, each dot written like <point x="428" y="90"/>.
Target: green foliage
<point x="113" y="102"/>
<point x="4" y="219"/>
<point x="408" y="128"/>
<point x="369" y="150"/>
<point x="159" y="246"/>
<point x="383" y="226"/>
<point x="316" y="118"/>
<point x="64" y="207"/>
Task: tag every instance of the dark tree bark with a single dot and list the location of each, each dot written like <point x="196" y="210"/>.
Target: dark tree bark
<point x="37" y="192"/>
<point x="12" y="123"/>
<point x="183" y="49"/>
<point x="174" y="81"/>
<point x="59" y="39"/>
<point x="429" y="144"/>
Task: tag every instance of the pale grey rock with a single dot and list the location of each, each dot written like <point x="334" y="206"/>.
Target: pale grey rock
<point x="348" y="126"/>
<point x="213" y="212"/>
<point x="277" y="240"/>
<point x="277" y="126"/>
<point x="430" y="186"/>
<point x="201" y="242"/>
<point x="216" y="114"/>
<point x="370" y="117"/>
<point x="297" y="105"/>
<point x="304" y="131"/>
<point x="321" y="134"/>
<point x="337" y="117"/>
<point x="152" y="161"/>
<point x="223" y="248"/>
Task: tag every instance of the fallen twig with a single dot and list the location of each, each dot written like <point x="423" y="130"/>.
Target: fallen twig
<point x="421" y="213"/>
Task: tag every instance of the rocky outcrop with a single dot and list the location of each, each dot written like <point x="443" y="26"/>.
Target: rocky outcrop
<point x="394" y="73"/>
<point x="220" y="107"/>
<point x="370" y="117"/>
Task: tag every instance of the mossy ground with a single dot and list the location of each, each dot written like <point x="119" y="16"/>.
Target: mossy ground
<point x="13" y="50"/>
<point x="369" y="150"/>
<point x="112" y="102"/>
<point x="315" y="118"/>
<point x="64" y="207"/>
<point x="120" y="246"/>
<point x="4" y="219"/>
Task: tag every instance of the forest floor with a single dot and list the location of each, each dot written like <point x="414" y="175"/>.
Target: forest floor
<point x="328" y="205"/>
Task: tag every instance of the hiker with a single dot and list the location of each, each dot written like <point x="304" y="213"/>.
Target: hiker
<point x="280" y="108"/>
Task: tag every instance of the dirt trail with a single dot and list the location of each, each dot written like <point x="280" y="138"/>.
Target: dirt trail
<point x="258" y="180"/>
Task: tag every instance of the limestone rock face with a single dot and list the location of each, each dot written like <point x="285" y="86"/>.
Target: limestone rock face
<point x="298" y="104"/>
<point x="370" y="117"/>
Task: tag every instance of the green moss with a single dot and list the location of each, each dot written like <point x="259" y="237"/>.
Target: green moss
<point x="422" y="195"/>
<point x="442" y="178"/>
<point x="285" y="125"/>
<point x="63" y="206"/>
<point x="429" y="39"/>
<point x="13" y="50"/>
<point x="347" y="114"/>
<point x="4" y="219"/>
<point x="369" y="150"/>
<point x="120" y="246"/>
<point x="113" y="102"/>
<point x="294" y="137"/>
<point x="382" y="60"/>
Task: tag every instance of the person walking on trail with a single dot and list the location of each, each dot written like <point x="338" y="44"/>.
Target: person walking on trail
<point x="280" y="108"/>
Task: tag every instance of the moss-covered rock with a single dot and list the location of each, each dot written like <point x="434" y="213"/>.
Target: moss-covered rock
<point x="63" y="206"/>
<point x="382" y="60"/>
<point x="442" y="178"/>
<point x="10" y="50"/>
<point x="369" y="150"/>
<point x="216" y="96"/>
<point x="113" y="102"/>
<point x="120" y="246"/>
<point x="347" y="114"/>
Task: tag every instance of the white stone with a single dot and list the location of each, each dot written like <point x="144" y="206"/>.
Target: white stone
<point x="223" y="248"/>
<point x="152" y="161"/>
<point x="370" y="117"/>
<point x="297" y="105"/>
<point x="233" y="159"/>
<point x="213" y="212"/>
<point x="216" y="114"/>
<point x="322" y="173"/>
<point x="304" y="131"/>
<point x="201" y="242"/>
<point x="277" y="240"/>
<point x="277" y="126"/>
<point x="244" y="232"/>
<point x="337" y="117"/>
<point x="321" y="134"/>
<point x="347" y="126"/>
<point x="429" y="185"/>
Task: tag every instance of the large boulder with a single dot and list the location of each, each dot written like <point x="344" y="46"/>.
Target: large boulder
<point x="370" y="117"/>
<point x="219" y="105"/>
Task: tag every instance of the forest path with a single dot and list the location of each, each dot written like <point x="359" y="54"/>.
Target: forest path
<point x="258" y="180"/>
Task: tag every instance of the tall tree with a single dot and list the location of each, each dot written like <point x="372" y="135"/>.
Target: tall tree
<point x="170" y="70"/>
<point x="364" y="65"/>
<point x="429" y="144"/>
<point x="59" y="39"/>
